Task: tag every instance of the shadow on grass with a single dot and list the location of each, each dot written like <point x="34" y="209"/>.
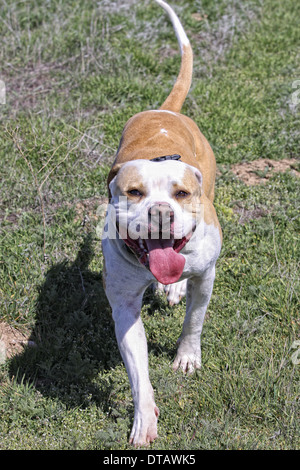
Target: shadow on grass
<point x="73" y="333"/>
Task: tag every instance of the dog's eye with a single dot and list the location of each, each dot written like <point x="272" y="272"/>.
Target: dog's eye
<point x="135" y="192"/>
<point x="181" y="194"/>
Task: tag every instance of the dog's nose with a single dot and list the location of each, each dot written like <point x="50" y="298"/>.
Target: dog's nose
<point x="161" y="210"/>
<point x="161" y="217"/>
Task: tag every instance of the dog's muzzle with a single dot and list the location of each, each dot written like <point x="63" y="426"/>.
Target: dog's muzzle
<point x="161" y="221"/>
<point x="155" y="244"/>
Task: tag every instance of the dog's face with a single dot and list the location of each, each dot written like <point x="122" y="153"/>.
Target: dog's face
<point x="157" y="207"/>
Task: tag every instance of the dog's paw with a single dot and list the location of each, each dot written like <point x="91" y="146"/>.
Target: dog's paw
<point x="187" y="361"/>
<point x="144" y="430"/>
<point x="174" y="292"/>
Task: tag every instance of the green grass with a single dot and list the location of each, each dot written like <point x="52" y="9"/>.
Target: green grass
<point x="74" y="73"/>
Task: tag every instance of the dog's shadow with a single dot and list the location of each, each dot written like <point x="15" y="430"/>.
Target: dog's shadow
<point x="73" y="338"/>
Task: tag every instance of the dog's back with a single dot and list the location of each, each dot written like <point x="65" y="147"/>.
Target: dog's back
<point x="155" y="133"/>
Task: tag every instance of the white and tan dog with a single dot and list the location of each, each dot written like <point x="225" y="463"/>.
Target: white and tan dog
<point x="161" y="226"/>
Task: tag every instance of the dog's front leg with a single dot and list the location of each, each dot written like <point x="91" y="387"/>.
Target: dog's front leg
<point x="199" y="290"/>
<point x="133" y="348"/>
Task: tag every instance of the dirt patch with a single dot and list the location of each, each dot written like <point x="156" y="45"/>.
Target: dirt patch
<point x="12" y="341"/>
<point x="249" y="214"/>
<point x="259" y="171"/>
<point x="27" y="88"/>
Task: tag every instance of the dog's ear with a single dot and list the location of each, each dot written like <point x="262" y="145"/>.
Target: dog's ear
<point x="111" y="175"/>
<point x="198" y="175"/>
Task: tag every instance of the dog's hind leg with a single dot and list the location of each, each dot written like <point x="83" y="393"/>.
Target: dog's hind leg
<point x="174" y="292"/>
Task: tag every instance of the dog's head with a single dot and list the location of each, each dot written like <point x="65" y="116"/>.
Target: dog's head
<point x="156" y="207"/>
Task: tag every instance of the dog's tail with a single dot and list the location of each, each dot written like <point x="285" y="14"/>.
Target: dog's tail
<point x="182" y="85"/>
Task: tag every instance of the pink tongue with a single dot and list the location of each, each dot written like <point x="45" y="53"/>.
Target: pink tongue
<point x="164" y="263"/>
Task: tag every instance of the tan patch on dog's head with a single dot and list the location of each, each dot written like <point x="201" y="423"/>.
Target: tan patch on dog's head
<point x="188" y="191"/>
<point x="127" y="181"/>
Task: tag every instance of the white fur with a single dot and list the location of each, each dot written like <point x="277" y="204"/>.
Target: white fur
<point x="126" y="280"/>
<point x="174" y="292"/>
<point x="180" y="33"/>
<point x="157" y="179"/>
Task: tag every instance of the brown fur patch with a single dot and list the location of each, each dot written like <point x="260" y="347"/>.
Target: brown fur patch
<point x="129" y="178"/>
<point x="190" y="185"/>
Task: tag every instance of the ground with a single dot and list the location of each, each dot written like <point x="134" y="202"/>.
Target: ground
<point x="12" y="341"/>
<point x="259" y="171"/>
<point x="75" y="72"/>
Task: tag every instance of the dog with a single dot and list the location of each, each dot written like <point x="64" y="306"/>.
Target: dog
<point x="161" y="226"/>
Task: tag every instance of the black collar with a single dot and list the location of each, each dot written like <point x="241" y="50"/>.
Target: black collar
<point x="166" y="157"/>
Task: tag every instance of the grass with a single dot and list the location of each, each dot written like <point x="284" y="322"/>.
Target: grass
<point x="74" y="73"/>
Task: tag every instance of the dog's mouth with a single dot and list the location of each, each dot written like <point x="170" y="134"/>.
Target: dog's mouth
<point x="161" y="256"/>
